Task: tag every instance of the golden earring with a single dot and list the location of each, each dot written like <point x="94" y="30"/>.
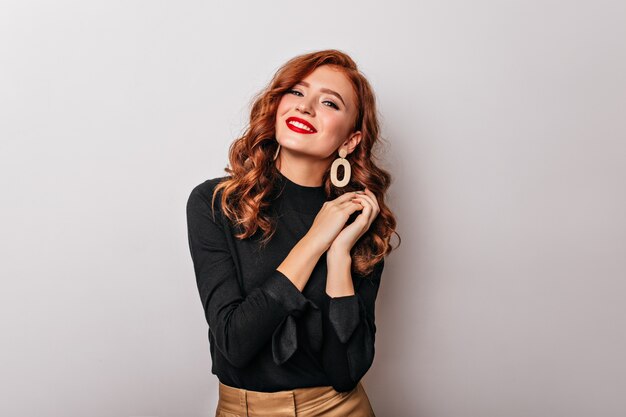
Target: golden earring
<point x="346" y="169"/>
<point x="276" y="154"/>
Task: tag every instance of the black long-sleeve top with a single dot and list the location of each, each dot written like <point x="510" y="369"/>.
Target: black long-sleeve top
<point x="264" y="334"/>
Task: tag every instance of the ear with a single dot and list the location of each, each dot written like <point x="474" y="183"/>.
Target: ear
<point x="353" y="141"/>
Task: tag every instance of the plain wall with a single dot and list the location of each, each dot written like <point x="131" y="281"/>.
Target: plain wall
<point x="506" y="131"/>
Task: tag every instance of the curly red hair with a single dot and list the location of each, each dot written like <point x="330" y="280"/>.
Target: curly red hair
<point x="247" y="192"/>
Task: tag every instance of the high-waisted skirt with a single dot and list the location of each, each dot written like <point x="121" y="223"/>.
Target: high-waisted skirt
<point x="299" y="402"/>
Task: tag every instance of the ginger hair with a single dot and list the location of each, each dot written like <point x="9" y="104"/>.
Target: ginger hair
<point x="247" y="193"/>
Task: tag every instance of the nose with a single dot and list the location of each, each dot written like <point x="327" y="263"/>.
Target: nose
<point x="305" y="108"/>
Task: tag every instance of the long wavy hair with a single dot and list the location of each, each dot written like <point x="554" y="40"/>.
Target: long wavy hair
<point x="247" y="192"/>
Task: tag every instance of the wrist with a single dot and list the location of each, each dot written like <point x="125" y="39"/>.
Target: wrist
<point x="338" y="255"/>
<point x="339" y="279"/>
<point x="312" y="245"/>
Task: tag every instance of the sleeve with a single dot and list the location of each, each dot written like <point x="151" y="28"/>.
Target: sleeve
<point x="241" y="326"/>
<point x="349" y="332"/>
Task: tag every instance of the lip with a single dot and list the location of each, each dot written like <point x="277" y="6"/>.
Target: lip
<point x="297" y="129"/>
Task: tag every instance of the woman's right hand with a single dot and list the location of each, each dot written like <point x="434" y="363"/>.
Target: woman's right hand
<point x="331" y="219"/>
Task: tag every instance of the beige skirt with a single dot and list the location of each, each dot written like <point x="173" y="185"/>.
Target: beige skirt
<point x="300" y="402"/>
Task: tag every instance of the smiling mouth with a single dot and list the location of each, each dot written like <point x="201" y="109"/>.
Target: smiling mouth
<point x="299" y="127"/>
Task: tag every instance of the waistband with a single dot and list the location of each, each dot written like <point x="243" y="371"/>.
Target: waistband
<point x="279" y="404"/>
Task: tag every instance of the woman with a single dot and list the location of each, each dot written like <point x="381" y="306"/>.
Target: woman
<point x="288" y="249"/>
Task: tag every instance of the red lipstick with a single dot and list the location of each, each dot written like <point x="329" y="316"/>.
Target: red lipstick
<point x="299" y="129"/>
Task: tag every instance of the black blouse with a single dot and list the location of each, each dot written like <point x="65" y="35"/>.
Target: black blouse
<point x="264" y="334"/>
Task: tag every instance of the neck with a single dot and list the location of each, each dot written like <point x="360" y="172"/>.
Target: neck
<point x="297" y="197"/>
<point x="305" y="173"/>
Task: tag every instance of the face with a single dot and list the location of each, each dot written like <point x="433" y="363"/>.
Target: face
<point x="316" y="116"/>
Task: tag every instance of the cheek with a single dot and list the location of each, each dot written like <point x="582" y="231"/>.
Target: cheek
<point x="339" y="124"/>
<point x="284" y="105"/>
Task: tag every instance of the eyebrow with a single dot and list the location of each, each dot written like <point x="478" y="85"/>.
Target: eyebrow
<point x="325" y="90"/>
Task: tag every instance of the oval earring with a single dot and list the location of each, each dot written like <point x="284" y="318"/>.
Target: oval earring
<point x="346" y="169"/>
<point x="276" y="154"/>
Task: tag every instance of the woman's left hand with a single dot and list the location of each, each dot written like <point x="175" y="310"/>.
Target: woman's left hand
<point x="350" y="234"/>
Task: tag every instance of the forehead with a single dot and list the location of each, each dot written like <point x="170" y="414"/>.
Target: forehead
<point x="326" y="76"/>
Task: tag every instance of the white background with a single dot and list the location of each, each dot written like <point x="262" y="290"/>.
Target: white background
<point x="506" y="130"/>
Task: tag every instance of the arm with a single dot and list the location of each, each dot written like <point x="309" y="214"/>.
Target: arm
<point x="241" y="326"/>
<point x="349" y="328"/>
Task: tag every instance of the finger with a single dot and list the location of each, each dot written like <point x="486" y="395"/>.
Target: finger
<point x="373" y="197"/>
<point x="349" y="200"/>
<point x="373" y="202"/>
<point x="354" y="200"/>
<point x="367" y="207"/>
<point x="366" y="199"/>
<point x="345" y="197"/>
<point x="351" y="205"/>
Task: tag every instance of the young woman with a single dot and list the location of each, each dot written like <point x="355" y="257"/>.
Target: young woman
<point x="288" y="249"/>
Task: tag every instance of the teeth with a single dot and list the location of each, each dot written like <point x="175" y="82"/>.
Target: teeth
<point x="300" y="125"/>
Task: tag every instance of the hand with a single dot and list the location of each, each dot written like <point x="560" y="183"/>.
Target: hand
<point x="350" y="234"/>
<point x="331" y="219"/>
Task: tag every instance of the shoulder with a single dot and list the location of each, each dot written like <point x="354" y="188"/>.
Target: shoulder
<point x="207" y="187"/>
<point x="201" y="195"/>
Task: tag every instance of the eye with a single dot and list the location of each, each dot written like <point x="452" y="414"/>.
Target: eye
<point x="333" y="104"/>
<point x="296" y="92"/>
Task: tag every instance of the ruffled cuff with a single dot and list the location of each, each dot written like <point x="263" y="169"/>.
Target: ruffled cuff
<point x="343" y="313"/>
<point x="300" y="310"/>
<point x="346" y="316"/>
<point x="285" y="337"/>
<point x="361" y="348"/>
<point x="279" y="287"/>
